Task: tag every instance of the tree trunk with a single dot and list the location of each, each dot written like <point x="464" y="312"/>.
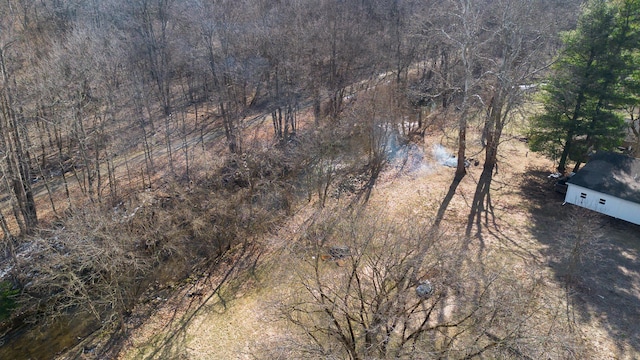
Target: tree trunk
<point x="18" y="167"/>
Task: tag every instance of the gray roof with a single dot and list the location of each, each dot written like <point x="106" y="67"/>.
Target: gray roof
<point x="610" y="173"/>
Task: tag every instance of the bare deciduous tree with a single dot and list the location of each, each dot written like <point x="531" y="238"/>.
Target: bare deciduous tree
<point x="374" y="290"/>
<point x="514" y="54"/>
<point x="15" y="150"/>
<point x="85" y="267"/>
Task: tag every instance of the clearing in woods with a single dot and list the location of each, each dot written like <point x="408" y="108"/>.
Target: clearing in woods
<point x="236" y="318"/>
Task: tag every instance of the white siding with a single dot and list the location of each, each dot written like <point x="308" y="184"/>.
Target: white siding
<point x="603" y="203"/>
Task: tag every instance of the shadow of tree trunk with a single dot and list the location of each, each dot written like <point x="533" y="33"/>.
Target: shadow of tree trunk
<point x="481" y="203"/>
<point x="364" y="194"/>
<point x="447" y="200"/>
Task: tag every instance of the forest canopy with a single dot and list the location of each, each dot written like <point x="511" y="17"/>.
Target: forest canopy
<point x="144" y="143"/>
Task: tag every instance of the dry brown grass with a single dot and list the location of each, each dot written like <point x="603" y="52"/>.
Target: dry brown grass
<point x="240" y="320"/>
<point x="247" y="323"/>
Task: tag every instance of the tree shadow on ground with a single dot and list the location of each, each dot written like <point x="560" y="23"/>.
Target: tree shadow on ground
<point x="201" y="297"/>
<point x="603" y="287"/>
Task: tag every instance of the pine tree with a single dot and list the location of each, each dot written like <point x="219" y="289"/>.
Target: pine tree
<point x="586" y="89"/>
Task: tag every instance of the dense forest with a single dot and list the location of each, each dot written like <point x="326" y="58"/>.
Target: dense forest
<point x="146" y="141"/>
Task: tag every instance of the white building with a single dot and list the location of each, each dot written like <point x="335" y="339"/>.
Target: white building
<point x="610" y="184"/>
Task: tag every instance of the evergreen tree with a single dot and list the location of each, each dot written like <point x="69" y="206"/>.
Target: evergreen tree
<point x="586" y="88"/>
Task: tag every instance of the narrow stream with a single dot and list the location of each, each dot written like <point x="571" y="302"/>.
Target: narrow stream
<point x="43" y="342"/>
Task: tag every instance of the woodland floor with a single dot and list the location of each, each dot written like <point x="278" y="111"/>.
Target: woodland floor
<point x="239" y="320"/>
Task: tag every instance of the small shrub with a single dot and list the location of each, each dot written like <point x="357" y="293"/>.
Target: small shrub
<point x="7" y="299"/>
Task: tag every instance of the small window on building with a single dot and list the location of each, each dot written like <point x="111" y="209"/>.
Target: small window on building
<point x="583" y="195"/>
<point x="602" y="201"/>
